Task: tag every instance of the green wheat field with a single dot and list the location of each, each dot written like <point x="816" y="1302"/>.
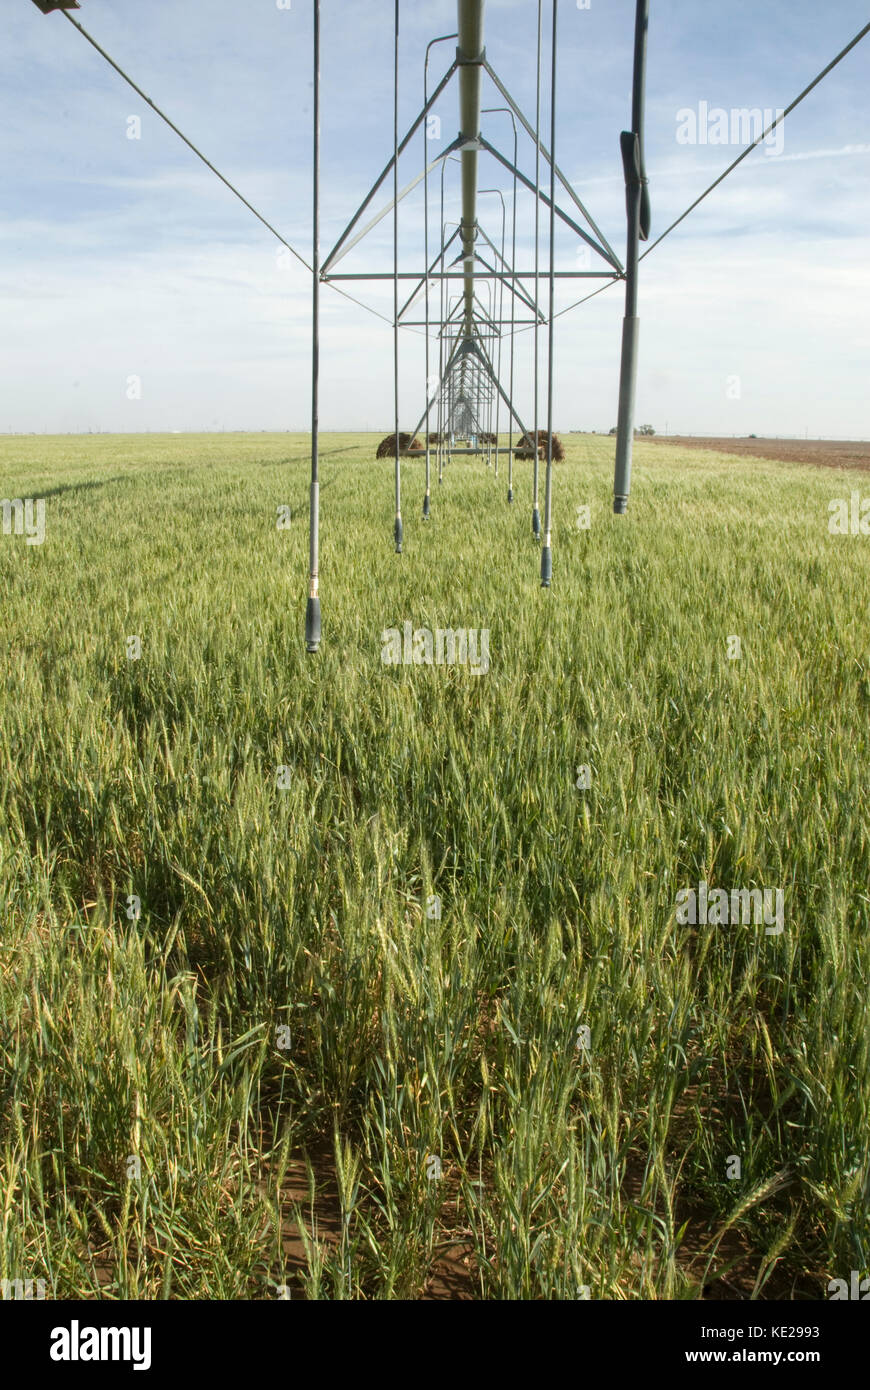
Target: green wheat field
<point x="338" y="1048"/>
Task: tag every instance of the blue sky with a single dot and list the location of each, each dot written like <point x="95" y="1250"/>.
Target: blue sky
<point x="123" y="258"/>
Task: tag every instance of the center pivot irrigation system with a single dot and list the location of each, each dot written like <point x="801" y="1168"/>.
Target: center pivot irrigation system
<point x="468" y="390"/>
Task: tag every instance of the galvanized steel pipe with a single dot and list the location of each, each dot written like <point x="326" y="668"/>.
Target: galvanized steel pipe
<point x="470" y="55"/>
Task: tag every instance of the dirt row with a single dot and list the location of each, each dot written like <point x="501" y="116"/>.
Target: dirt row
<point x="825" y="453"/>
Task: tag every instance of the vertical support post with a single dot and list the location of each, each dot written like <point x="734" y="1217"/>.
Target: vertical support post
<point x="312" y="611"/>
<point x="510" y="495"/>
<point x="441" y="370"/>
<point x="429" y="47"/>
<point x="500" y="329"/>
<point x="470" y="56"/>
<point x="631" y="143"/>
<point x="546" y="552"/>
<point x="536" y="516"/>
<point x="442" y="283"/>
<point x="398" y="525"/>
<point x="426" y="502"/>
<point x="498" y="302"/>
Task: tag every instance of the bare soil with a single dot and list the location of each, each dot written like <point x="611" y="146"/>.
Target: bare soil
<point x="824" y="453"/>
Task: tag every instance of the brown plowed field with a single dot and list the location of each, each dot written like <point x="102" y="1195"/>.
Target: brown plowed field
<point x="827" y="453"/>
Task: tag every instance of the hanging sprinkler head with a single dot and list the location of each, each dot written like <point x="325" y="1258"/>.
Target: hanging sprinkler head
<point x="312" y="624"/>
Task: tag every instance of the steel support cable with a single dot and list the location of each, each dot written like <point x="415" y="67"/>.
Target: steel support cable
<point x="602" y="246"/>
<point x="180" y="133"/>
<point x="207" y="162"/>
<point x="731" y="167"/>
<point x="788" y="110"/>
